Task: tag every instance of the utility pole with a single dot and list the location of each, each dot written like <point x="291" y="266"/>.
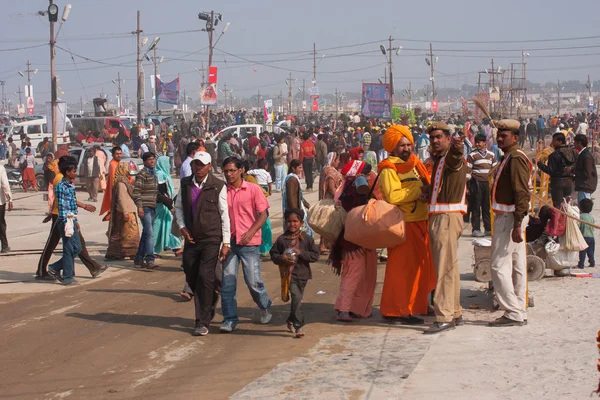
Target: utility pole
<point x="120" y="93"/>
<point x="52" y="84"/>
<point x="281" y="100"/>
<point x="155" y="80"/>
<point x="290" y="95"/>
<point x="210" y="57"/>
<point x="139" y="71"/>
<point x="28" y="92"/>
<point x="432" y="67"/>
<point x="385" y="75"/>
<point x="225" y="91"/>
<point x="3" y="96"/>
<point x="258" y="101"/>
<point x="19" y="92"/>
<point x="314" y="64"/>
<point x="80" y="105"/>
<point x="391" y="74"/>
<point x="303" y="91"/>
<point x="184" y="100"/>
<point x="410" y="94"/>
<point x="558" y="102"/>
<point x="336" y="102"/>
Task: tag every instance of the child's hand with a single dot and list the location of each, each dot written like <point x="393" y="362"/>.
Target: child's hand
<point x="288" y="260"/>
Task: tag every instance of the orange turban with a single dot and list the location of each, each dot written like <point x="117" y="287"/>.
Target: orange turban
<point x="394" y="134"/>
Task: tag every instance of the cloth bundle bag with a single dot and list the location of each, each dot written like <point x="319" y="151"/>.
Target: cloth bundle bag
<point x="327" y="219"/>
<point x="375" y="225"/>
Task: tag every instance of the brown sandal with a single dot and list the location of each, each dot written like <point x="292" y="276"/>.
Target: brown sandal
<point x="186" y="296"/>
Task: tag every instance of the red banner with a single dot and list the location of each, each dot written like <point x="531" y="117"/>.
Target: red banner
<point x="212" y="74"/>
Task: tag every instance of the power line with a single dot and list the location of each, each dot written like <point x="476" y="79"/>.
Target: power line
<point x="25" y="48"/>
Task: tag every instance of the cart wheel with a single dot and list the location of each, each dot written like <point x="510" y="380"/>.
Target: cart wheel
<point x="536" y="268"/>
<point x="483" y="271"/>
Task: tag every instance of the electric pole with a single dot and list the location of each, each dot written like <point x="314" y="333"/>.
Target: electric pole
<point x="120" y="93"/>
<point x="28" y="92"/>
<point x="139" y="71"/>
<point x="2" y="83"/>
<point x="303" y="92"/>
<point x="432" y="67"/>
<point x="225" y="91"/>
<point x="19" y="92"/>
<point x="391" y="75"/>
<point x="314" y="64"/>
<point x="290" y="95"/>
<point x="258" y="101"/>
<point x="558" y="102"/>
<point x="53" y="84"/>
<point x="336" y="102"/>
<point x="155" y="80"/>
<point x="210" y="57"/>
<point x="81" y="105"/>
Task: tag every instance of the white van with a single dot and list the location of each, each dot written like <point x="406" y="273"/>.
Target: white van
<point x="36" y="130"/>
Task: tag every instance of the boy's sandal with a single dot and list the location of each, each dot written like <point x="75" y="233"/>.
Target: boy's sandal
<point x="299" y="335"/>
<point x="186" y="296"/>
<point x="290" y="327"/>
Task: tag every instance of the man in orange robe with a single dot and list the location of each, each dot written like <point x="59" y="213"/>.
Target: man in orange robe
<point x="409" y="273"/>
<point x="117" y="154"/>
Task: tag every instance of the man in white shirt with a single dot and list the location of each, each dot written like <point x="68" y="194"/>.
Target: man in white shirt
<point x="6" y="199"/>
<point x="186" y="167"/>
<point x="203" y="217"/>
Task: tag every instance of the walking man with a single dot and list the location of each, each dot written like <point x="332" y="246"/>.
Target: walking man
<point x="91" y="172"/>
<point x="532" y="132"/>
<point x="203" y="217"/>
<point x="586" y="177"/>
<point x="446" y="208"/>
<point x="67" y="224"/>
<point x="247" y="214"/>
<point x="144" y="195"/>
<point x="5" y="204"/>
<point x="479" y="163"/>
<point x="307" y="157"/>
<point x="510" y="202"/>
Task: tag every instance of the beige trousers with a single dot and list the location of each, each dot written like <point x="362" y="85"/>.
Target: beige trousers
<point x="444" y="232"/>
<point x="509" y="267"/>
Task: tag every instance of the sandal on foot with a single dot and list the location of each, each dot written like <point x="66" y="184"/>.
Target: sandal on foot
<point x="290" y="327"/>
<point x="186" y="296"/>
<point x="299" y="334"/>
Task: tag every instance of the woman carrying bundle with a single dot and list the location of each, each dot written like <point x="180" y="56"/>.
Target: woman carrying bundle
<point x="356" y="265"/>
<point x="409" y="272"/>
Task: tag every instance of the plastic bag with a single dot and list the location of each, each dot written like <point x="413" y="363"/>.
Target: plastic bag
<point x="574" y="240"/>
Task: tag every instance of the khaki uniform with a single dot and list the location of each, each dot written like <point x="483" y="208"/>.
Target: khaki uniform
<point x="446" y="211"/>
<point x="510" y="202"/>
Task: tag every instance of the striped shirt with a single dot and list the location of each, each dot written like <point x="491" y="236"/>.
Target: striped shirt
<point x="480" y="164"/>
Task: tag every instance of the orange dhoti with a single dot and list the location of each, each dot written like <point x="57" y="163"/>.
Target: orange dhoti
<point x="409" y="274"/>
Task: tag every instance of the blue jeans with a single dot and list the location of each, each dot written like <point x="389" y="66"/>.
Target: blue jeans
<point x="146" y="248"/>
<point x="280" y="174"/>
<point x="71" y="249"/>
<point x="583" y="195"/>
<point x="591" y="242"/>
<point x="250" y="258"/>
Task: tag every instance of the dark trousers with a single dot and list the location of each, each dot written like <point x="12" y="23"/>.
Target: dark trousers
<point x="3" y="239"/>
<point x="51" y="244"/>
<point x="480" y="204"/>
<point x="307" y="164"/>
<point x="297" y="293"/>
<point x="591" y="242"/>
<point x="199" y="264"/>
<point x="559" y="188"/>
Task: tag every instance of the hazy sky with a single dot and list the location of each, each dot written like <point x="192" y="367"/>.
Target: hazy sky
<point x="276" y="37"/>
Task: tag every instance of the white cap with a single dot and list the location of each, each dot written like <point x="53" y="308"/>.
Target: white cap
<point x="203" y="157"/>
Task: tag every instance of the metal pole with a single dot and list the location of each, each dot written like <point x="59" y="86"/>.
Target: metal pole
<point x="432" y="72"/>
<point x="120" y="94"/>
<point x="314" y="64"/>
<point x="391" y="76"/>
<point x="3" y="96"/>
<point x="139" y="72"/>
<point x="28" y="83"/>
<point x="558" y="102"/>
<point x="290" y="95"/>
<point x="155" y="80"/>
<point x="52" y="85"/>
<point x="210" y="57"/>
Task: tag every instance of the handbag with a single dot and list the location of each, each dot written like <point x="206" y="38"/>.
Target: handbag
<point x="327" y="219"/>
<point x="557" y="224"/>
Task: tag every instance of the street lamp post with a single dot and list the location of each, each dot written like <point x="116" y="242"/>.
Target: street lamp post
<point x="53" y="17"/>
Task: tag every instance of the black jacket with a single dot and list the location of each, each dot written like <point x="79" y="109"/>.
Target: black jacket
<point x="558" y="161"/>
<point x="309" y="253"/>
<point x="586" y="177"/>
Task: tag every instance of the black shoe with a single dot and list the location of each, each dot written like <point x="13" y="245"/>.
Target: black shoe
<point x="411" y="320"/>
<point x="459" y="321"/>
<point x="46" y="277"/>
<point x="438" y="327"/>
<point x="55" y="274"/>
<point x="503" y="321"/>
<point x="5" y="250"/>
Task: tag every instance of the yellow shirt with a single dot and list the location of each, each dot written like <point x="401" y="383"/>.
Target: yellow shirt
<point x="55" y="182"/>
<point x="403" y="190"/>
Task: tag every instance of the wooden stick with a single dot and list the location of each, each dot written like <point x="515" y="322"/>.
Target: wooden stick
<point x="564" y="213"/>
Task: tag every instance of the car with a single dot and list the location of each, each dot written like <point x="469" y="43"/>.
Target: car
<point x="80" y="154"/>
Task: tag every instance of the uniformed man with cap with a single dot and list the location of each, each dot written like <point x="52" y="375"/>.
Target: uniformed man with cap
<point x="510" y="202"/>
<point x="447" y="195"/>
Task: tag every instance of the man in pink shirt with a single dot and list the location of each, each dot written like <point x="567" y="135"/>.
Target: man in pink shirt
<point x="248" y="211"/>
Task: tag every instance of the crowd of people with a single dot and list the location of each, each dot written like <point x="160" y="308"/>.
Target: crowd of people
<point x="437" y="173"/>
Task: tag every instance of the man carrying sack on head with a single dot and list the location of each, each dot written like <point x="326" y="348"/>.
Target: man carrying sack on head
<point x="447" y="195"/>
<point x="510" y="202"/>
